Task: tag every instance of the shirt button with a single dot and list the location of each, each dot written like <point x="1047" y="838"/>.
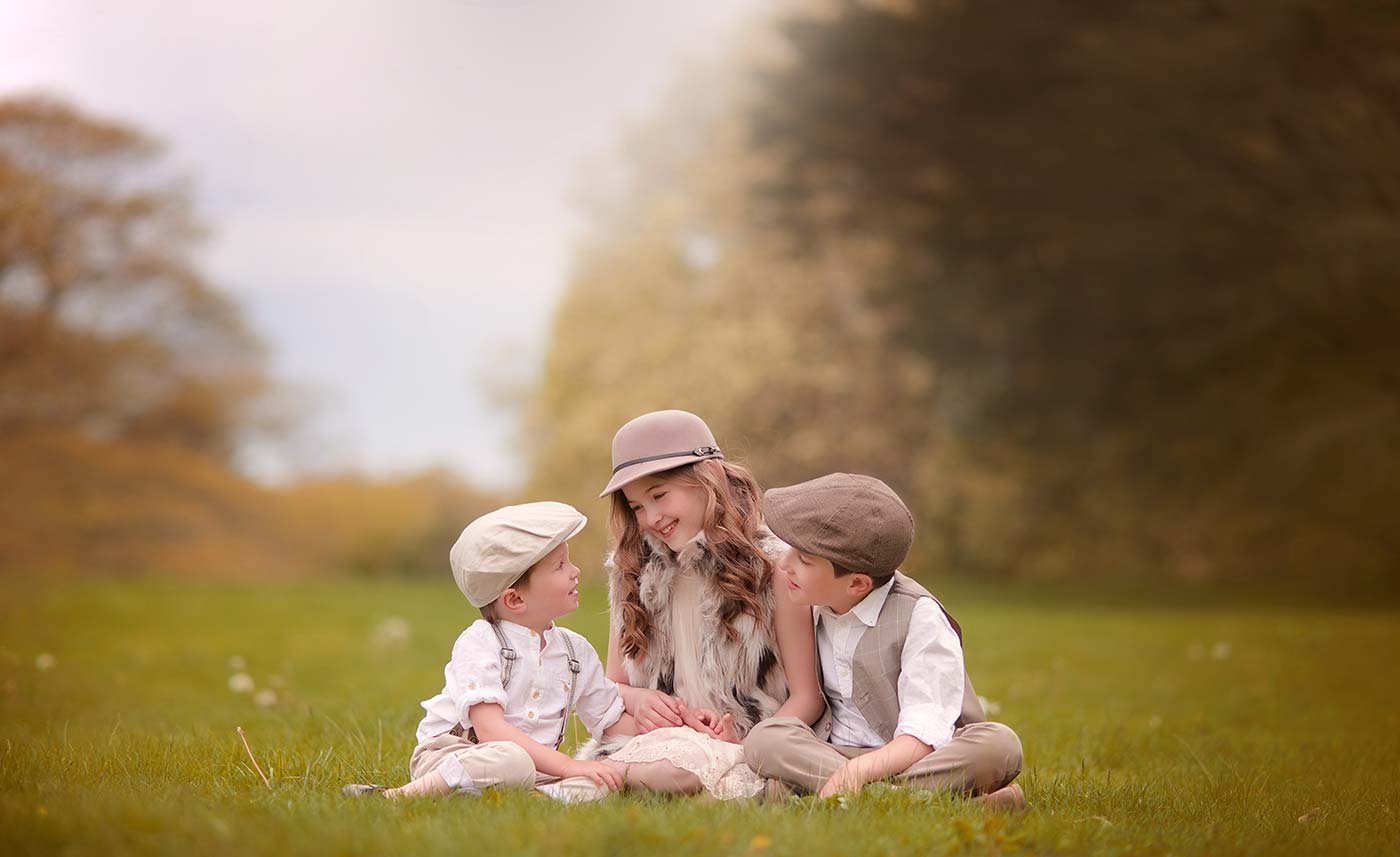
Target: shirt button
<point x="537" y="694"/>
<point x="471" y="686"/>
<point x="530" y="715"/>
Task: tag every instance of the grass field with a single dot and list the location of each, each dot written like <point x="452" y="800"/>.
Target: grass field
<point x="1168" y="730"/>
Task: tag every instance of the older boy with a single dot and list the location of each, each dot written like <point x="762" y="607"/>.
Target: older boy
<point x="900" y="703"/>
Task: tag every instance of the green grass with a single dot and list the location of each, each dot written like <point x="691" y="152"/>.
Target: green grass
<point x="1181" y="730"/>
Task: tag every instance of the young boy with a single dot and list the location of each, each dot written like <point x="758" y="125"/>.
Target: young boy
<point x="899" y="702"/>
<point x="514" y="675"/>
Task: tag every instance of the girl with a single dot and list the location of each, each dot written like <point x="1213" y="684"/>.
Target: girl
<point x="699" y="645"/>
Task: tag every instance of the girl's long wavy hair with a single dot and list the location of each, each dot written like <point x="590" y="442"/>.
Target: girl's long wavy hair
<point x="732" y="518"/>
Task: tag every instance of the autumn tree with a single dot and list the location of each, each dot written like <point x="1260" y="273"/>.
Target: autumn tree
<point x="107" y="327"/>
<point x="127" y="381"/>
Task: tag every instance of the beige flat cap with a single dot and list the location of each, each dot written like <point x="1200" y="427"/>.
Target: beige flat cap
<point x="660" y="440"/>
<point x="495" y="550"/>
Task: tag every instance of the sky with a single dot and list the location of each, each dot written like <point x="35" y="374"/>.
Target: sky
<point x="388" y="184"/>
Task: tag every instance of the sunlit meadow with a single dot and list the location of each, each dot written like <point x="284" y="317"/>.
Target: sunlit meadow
<point x="1172" y="729"/>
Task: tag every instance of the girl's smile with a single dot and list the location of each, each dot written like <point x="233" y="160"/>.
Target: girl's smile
<point x="672" y="510"/>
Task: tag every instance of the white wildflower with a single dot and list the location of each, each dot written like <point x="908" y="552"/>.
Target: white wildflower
<point x="1220" y="651"/>
<point x="265" y="697"/>
<point x="237" y="664"/>
<point x="45" y="661"/>
<point x="1154" y="722"/>
<point x="392" y="633"/>
<point x="240" y="683"/>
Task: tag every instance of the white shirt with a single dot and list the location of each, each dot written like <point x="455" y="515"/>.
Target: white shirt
<point x="539" y="683"/>
<point x="930" y="675"/>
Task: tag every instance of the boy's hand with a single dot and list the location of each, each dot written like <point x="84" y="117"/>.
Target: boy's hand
<point x="652" y="709"/>
<point x="848" y="778"/>
<point x="603" y="773"/>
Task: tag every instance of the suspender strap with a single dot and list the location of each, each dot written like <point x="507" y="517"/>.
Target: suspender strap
<point x="574" y="669"/>
<point x="507" y="655"/>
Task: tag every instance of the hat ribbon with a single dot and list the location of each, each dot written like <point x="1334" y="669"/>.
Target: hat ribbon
<point x="699" y="452"/>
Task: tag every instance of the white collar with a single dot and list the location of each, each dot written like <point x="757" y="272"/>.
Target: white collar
<point x="523" y="636"/>
<point x="867" y="611"/>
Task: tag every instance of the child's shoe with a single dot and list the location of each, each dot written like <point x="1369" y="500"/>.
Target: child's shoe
<point x="1007" y="799"/>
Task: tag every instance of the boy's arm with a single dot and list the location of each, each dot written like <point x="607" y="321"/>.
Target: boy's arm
<point x="625" y="725"/>
<point x="489" y="721"/>
<point x="890" y="759"/>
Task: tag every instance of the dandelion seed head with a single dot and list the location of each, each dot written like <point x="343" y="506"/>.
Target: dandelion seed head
<point x="240" y="683"/>
<point x="1220" y="651"/>
<point x="265" y="698"/>
<point x="45" y="661"/>
<point x="393" y="633"/>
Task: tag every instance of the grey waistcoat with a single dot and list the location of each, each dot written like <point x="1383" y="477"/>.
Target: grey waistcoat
<point x="876" y="664"/>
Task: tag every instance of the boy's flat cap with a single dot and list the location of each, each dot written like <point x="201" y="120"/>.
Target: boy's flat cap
<point x="495" y="550"/>
<point x="856" y="522"/>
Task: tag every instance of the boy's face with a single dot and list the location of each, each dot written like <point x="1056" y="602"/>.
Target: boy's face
<point x="552" y="589"/>
<point x="670" y="509"/>
<point x="812" y="581"/>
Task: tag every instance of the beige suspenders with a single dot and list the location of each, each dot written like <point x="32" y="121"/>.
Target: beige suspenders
<point x="508" y="656"/>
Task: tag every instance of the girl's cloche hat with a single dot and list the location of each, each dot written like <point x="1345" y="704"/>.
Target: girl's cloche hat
<point x="496" y="550"/>
<point x="660" y="440"/>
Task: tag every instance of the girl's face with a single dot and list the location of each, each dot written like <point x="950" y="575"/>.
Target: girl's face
<point x="671" y="509"/>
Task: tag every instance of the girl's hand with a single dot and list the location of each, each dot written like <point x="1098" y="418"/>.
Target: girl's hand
<point x="706" y="721"/>
<point x="608" y="774"/>
<point x="652" y="709"/>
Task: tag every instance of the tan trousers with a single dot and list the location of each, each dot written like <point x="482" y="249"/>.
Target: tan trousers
<point x="470" y="767"/>
<point x="981" y="758"/>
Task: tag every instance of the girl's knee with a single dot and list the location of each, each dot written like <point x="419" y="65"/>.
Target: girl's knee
<point x="663" y="777"/>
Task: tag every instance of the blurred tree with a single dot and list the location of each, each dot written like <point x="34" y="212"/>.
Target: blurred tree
<point x="1152" y="248"/>
<point x="107" y="327"/>
<point x="679" y="300"/>
<point x="128" y="384"/>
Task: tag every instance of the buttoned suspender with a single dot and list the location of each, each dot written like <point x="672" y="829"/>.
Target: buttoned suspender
<point x="508" y="656"/>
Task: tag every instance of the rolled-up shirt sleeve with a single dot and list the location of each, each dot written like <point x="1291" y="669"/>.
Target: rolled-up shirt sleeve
<point x="930" y="677"/>
<point x="474" y="673"/>
<point x="599" y="703"/>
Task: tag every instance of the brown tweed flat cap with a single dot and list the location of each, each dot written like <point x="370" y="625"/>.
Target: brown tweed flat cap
<point x="856" y="522"/>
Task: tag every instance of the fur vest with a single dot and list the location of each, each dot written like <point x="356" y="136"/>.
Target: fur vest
<point x="743" y="678"/>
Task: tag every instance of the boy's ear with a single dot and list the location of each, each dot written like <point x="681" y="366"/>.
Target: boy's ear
<point x="859" y="584"/>
<point x="512" y="601"/>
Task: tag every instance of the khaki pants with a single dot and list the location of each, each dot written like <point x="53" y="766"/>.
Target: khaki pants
<point x="470" y="767"/>
<point x="981" y="758"/>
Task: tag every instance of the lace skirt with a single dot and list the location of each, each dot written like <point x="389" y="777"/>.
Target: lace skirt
<point x="719" y="765"/>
